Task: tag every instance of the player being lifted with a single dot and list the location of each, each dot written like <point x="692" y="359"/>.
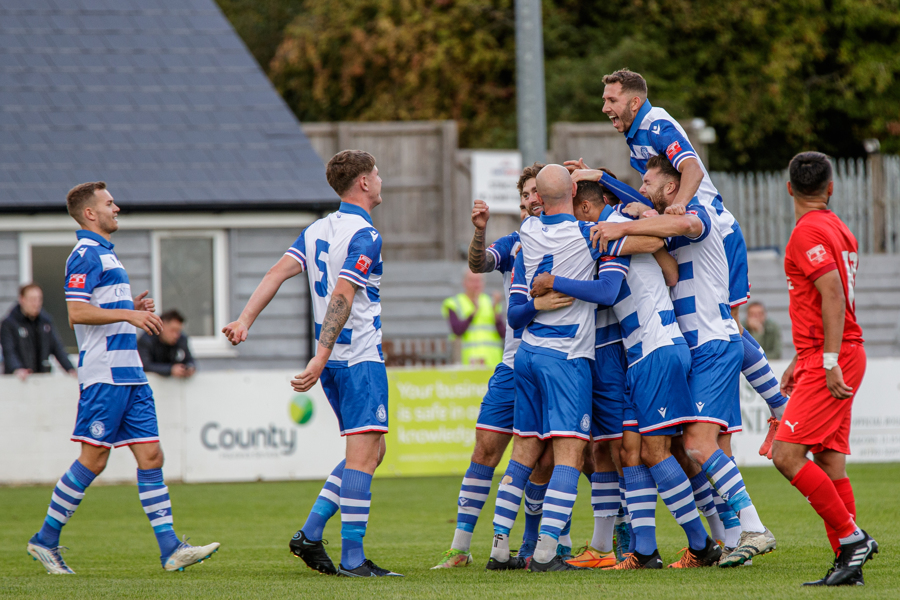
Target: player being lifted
<point x="650" y="131"/>
<point x="820" y="261"/>
<point x="115" y="407"/>
<point x="342" y="255"/>
<point x="700" y="299"/>
<point x="494" y="428"/>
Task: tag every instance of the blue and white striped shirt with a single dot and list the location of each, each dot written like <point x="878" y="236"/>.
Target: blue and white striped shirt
<point x="643" y="307"/>
<point x="701" y="295"/>
<point x="106" y="353"/>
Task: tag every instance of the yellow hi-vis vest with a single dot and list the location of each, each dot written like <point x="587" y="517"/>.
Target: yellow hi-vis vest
<point x="481" y="344"/>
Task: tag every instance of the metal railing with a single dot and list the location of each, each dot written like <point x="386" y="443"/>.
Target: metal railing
<point x="866" y="197"/>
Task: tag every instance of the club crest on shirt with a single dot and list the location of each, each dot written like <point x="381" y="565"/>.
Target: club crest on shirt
<point x="98" y="429"/>
<point x="673" y="149"/>
<point x="76" y="280"/>
<point x="817" y="254"/>
<point x="363" y="264"/>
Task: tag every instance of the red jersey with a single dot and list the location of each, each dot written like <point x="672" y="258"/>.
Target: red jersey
<point x="820" y="243"/>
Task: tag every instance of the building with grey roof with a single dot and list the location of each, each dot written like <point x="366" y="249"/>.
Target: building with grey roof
<point x="162" y="100"/>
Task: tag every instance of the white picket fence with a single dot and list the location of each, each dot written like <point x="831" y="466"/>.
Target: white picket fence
<point x="764" y="209"/>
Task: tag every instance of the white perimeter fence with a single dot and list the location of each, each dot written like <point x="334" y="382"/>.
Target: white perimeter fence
<point x="249" y="426"/>
<point x="866" y="197"/>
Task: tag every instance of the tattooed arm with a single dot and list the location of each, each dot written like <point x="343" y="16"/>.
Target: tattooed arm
<point x="335" y="318"/>
<point x="479" y="260"/>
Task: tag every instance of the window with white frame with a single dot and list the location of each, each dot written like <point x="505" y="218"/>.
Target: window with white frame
<point x="190" y="274"/>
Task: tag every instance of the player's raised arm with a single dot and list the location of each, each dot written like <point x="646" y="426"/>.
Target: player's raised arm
<point x="479" y="260"/>
<point x="288" y="266"/>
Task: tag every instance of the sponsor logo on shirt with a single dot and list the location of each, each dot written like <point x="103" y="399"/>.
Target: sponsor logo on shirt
<point x="363" y="264"/>
<point x="817" y="254"/>
<point x="673" y="149"/>
<point x="77" y="280"/>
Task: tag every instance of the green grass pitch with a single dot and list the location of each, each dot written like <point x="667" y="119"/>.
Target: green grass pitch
<point x="114" y="552"/>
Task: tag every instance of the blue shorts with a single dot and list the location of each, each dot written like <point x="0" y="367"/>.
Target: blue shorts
<point x="499" y="403"/>
<point x="715" y="382"/>
<point x="736" y="253"/>
<point x="659" y="399"/>
<point x="358" y="394"/>
<point x="116" y="415"/>
<point x="553" y="395"/>
<point x="608" y="380"/>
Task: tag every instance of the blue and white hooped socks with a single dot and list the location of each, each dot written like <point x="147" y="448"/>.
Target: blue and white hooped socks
<point x="606" y="502"/>
<point x="474" y="492"/>
<point x="625" y="515"/>
<point x="703" y="498"/>
<point x="558" y="503"/>
<point x="730" y="522"/>
<point x="759" y="374"/>
<point x="640" y="492"/>
<point x="509" y="497"/>
<point x="676" y="492"/>
<point x="326" y="505"/>
<point x="356" y="499"/>
<point x="154" y="497"/>
<point x="727" y="480"/>
<point x="534" y="510"/>
<point x="66" y="497"/>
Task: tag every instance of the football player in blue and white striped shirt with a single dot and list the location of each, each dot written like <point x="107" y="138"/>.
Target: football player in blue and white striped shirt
<point x="701" y="306"/>
<point x="658" y="399"/>
<point x="116" y="405"/>
<point x="494" y="428"/>
<point x="341" y="254"/>
<point x="651" y="131"/>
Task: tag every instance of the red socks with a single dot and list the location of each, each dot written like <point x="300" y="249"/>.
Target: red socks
<point x="823" y="494"/>
<point x="845" y="491"/>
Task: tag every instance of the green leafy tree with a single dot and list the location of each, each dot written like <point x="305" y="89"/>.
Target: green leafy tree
<point x="261" y="23"/>
<point x="383" y="60"/>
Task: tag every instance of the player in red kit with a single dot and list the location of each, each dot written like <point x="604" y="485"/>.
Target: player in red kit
<point x="820" y="263"/>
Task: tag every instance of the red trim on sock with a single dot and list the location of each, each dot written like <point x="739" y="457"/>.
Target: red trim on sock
<point x="821" y="493"/>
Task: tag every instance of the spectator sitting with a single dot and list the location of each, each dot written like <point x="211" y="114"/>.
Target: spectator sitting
<point x="168" y="353"/>
<point x="477" y="320"/>
<point x="28" y="337"/>
<point x="764" y="330"/>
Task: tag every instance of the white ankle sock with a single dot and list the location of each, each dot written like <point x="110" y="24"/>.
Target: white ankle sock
<point x="500" y="549"/>
<point x="546" y="549"/>
<point x="603" y="533"/>
<point x="750" y="520"/>
<point x="462" y="540"/>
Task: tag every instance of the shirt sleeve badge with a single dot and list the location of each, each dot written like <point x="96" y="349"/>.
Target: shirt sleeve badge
<point x="77" y="280"/>
<point x="817" y="254"/>
<point x="673" y="150"/>
<point x="363" y="264"/>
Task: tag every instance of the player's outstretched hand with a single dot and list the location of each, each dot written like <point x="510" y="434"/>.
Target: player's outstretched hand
<point x="787" y="379"/>
<point x="236" y="332"/>
<point x="480" y="214"/>
<point x="147" y="321"/>
<point x="142" y="302"/>
<point x="572" y="165"/>
<point x="675" y="209"/>
<point x="542" y="284"/>
<point x="308" y="378"/>
<point x="834" y="379"/>
<point x="553" y="301"/>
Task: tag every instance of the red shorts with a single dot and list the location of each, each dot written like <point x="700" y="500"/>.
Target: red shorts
<point x="813" y="416"/>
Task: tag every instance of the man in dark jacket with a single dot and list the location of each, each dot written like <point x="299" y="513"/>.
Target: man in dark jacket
<point x="168" y="353"/>
<point x="28" y="337"/>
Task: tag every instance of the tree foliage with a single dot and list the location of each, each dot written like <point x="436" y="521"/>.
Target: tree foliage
<point x="773" y="77"/>
<point x="382" y="60"/>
